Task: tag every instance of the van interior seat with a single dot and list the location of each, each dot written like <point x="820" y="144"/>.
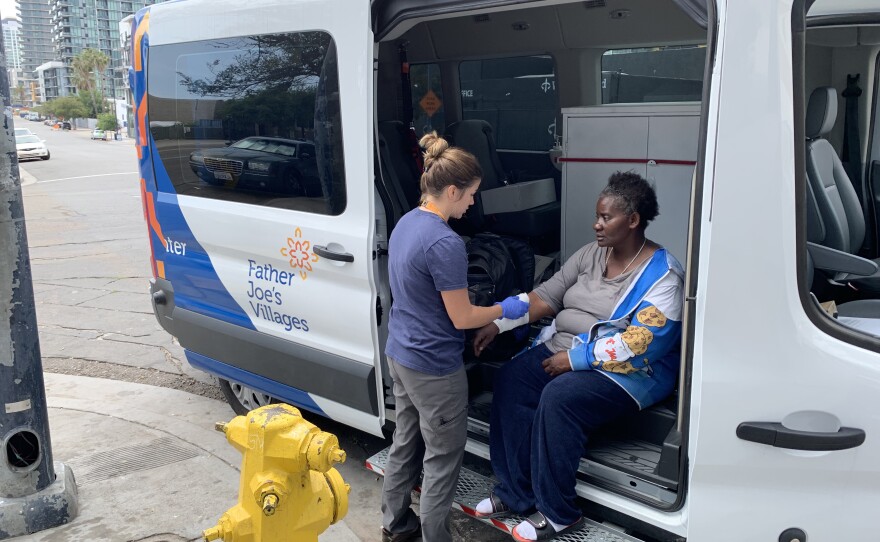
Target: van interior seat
<point x="399" y="164"/>
<point x="475" y="136"/>
<point x="838" y="206"/>
<point x="861" y="314"/>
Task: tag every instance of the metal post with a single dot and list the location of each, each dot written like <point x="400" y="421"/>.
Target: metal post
<point x="35" y="494"/>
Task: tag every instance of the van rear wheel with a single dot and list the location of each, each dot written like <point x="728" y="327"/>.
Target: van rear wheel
<point x="243" y="399"/>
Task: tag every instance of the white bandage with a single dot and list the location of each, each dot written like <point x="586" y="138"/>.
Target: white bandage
<point x="506" y="324"/>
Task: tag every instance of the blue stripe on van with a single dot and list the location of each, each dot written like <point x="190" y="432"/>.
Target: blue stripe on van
<point x="284" y="393"/>
<point x="197" y="287"/>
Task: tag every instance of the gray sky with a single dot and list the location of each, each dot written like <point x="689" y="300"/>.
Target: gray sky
<point x="7" y="8"/>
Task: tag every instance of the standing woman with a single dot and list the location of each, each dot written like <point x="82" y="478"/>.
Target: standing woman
<point x="428" y="271"/>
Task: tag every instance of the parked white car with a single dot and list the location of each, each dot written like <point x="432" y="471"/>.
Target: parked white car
<point x="31" y="146"/>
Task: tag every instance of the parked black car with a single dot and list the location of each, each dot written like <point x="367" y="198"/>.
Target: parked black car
<point x="65" y="125"/>
<point x="270" y="164"/>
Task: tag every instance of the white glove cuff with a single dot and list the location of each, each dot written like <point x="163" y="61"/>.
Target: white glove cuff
<point x="506" y="324"/>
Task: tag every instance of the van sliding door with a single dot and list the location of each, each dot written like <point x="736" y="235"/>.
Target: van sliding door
<point x="261" y="129"/>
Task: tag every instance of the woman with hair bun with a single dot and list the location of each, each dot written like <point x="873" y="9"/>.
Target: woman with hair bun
<point x="427" y="266"/>
<point x="611" y="350"/>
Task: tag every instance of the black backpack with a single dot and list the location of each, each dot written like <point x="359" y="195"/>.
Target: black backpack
<point x="498" y="267"/>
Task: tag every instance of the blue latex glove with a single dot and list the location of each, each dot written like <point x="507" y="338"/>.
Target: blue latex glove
<point x="513" y="307"/>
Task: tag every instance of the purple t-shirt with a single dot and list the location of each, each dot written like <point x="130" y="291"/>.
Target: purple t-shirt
<point x="425" y="257"/>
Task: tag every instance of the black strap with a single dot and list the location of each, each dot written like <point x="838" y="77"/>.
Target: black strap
<point x="405" y="88"/>
<point x="850" y="154"/>
<point x="407" y="108"/>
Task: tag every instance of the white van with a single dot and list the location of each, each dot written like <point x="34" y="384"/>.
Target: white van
<point x="270" y="263"/>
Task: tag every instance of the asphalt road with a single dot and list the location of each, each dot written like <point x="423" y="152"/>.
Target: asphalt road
<point x="89" y="256"/>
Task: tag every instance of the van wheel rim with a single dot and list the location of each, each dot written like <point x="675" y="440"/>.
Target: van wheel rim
<point x="249" y="398"/>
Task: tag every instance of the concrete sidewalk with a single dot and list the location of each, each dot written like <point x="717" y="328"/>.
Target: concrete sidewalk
<point x="148" y="463"/>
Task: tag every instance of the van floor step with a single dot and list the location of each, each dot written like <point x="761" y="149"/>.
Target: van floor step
<point x="473" y="487"/>
<point x="637" y="456"/>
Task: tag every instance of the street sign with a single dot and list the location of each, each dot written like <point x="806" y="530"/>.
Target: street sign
<point x="430" y="103"/>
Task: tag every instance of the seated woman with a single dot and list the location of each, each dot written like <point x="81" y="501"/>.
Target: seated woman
<point x="613" y="349"/>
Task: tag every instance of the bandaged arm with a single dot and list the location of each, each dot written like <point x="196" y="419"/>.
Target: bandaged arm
<point x="506" y="324"/>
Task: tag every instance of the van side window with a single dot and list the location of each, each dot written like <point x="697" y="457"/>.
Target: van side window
<point x="229" y="117"/>
<point x="517" y="96"/>
<point x="841" y="285"/>
<point x="427" y="98"/>
<point x="653" y="74"/>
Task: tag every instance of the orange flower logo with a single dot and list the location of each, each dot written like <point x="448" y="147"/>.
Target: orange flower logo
<point x="299" y="255"/>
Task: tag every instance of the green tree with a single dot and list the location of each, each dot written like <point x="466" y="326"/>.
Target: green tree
<point x="87" y="69"/>
<point x="107" y="121"/>
<point x="68" y="107"/>
<point x="92" y="100"/>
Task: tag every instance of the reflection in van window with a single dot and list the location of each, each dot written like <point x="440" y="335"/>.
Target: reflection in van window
<point x="517" y="96"/>
<point x="427" y="98"/>
<point x="254" y="119"/>
<point x="653" y="74"/>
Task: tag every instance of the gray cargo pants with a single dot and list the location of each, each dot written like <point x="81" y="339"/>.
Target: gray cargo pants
<point x="431" y="423"/>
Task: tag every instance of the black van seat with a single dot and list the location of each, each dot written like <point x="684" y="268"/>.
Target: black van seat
<point x="838" y="206"/>
<point x="398" y="163"/>
<point x="475" y="136"/>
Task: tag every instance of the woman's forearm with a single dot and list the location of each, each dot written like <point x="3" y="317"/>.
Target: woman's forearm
<point x="476" y="317"/>
<point x="464" y="315"/>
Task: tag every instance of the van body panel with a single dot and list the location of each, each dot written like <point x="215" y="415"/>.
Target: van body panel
<point x="757" y="356"/>
<point x="754" y="353"/>
<point x="277" y="280"/>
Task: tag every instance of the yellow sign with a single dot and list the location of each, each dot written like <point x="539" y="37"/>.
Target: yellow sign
<point x="430" y="103"/>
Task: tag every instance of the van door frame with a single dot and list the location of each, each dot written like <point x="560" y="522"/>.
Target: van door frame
<point x="387" y="15"/>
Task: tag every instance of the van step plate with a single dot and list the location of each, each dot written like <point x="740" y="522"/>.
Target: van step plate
<point x="473" y="487"/>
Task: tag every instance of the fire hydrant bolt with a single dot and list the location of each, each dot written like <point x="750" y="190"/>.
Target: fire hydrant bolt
<point x="338" y="455"/>
<point x="270" y="503"/>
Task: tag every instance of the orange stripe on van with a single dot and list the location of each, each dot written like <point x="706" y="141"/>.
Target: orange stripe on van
<point x="160" y="268"/>
<point x="142" y="122"/>
<point x="138" y="37"/>
<point x="151" y="213"/>
<point x="144" y="199"/>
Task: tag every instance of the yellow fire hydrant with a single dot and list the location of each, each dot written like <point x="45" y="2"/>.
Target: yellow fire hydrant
<point x="289" y="490"/>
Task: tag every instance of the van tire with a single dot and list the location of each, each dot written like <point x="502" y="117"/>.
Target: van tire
<point x="243" y="399"/>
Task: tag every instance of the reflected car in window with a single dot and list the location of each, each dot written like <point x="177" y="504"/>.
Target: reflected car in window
<point x="266" y="164"/>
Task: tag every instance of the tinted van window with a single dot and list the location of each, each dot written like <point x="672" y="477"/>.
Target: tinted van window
<point x="254" y="119"/>
<point x="517" y="96"/>
<point x="653" y="74"/>
<point x="427" y="98"/>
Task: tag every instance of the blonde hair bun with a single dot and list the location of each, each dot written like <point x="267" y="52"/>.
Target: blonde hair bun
<point x="434" y="146"/>
<point x="446" y="165"/>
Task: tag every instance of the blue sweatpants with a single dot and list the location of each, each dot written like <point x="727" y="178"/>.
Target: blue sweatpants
<point x="539" y="430"/>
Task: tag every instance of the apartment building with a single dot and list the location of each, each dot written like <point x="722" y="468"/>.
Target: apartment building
<point x="12" y="47"/>
<point x="36" y="44"/>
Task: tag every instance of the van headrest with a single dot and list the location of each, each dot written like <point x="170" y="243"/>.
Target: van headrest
<point x="821" y="112"/>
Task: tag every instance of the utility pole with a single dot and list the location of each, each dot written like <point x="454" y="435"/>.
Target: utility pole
<point x="35" y="494"/>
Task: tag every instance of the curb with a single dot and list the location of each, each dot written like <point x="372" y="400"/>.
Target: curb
<point x="26" y="178"/>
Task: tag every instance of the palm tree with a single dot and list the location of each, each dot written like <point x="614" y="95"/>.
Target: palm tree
<point x="87" y="68"/>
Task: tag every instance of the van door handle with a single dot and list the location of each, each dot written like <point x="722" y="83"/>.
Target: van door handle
<point x="777" y="435"/>
<point x="324" y="252"/>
